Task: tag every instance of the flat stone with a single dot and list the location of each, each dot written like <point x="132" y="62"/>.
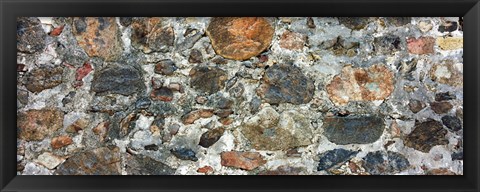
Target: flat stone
<point x="284" y="83"/>
<point x="143" y="165"/>
<point x="49" y="160"/>
<point x="353" y="129"/>
<point x="381" y="163"/>
<point x="426" y="135"/>
<point x="165" y="67"/>
<point x="43" y="77"/>
<point x="269" y="130"/>
<point x="358" y="84"/>
<point x="440" y="171"/>
<point x="100" y="161"/>
<point x="446" y="73"/>
<point x="292" y="41"/>
<point x="334" y="158"/>
<point x="452" y="122"/>
<point x="35" y="125"/>
<point x="421" y="46"/>
<point x="149" y="34"/>
<point x="450" y="43"/>
<point x="98" y="36"/>
<point x="283" y="170"/>
<point x="61" y="141"/>
<point x="240" y="38"/>
<point x="118" y="79"/>
<point x="242" y="160"/>
<point x="184" y="154"/>
<point x="355" y="23"/>
<point x="441" y="107"/>
<point x="31" y="37"/>
<point x="416" y="105"/>
<point x="207" y="79"/>
<point x="211" y="137"/>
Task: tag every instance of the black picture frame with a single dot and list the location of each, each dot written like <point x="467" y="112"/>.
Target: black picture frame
<point x="10" y="9"/>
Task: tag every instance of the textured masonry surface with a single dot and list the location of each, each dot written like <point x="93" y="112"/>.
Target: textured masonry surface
<point x="244" y="96"/>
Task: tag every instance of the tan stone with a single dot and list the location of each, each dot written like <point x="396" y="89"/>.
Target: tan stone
<point x="450" y="43"/>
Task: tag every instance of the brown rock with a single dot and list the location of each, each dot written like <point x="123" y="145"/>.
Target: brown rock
<point x="426" y="135"/>
<point x="211" y="137"/>
<point x="100" y="161"/>
<point x="441" y="107"/>
<point x="195" y="56"/>
<point x="446" y="73"/>
<point x="226" y="121"/>
<point x="223" y="112"/>
<point x="61" y="141"/>
<point x="44" y="77"/>
<point x="98" y="36"/>
<point x="30" y="35"/>
<point x="420" y="46"/>
<point x="243" y="160"/>
<point x="283" y="170"/>
<point x="205" y="169"/>
<point x="374" y="83"/>
<point x="149" y="35"/>
<point x="162" y="94"/>
<point x="240" y="38"/>
<point x="35" y="125"/>
<point x="441" y="171"/>
<point x="293" y="41"/>
<point x="101" y="130"/>
<point x="127" y="124"/>
<point x="416" y="105"/>
<point x="207" y="79"/>
<point x="76" y="126"/>
<point x="191" y="117"/>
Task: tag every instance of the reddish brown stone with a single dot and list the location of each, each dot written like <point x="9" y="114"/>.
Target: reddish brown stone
<point x="61" y="141"/>
<point x="57" y="31"/>
<point x="150" y="34"/>
<point x="43" y="77"/>
<point x="293" y="41"/>
<point x="205" y="169"/>
<point x="240" y="38"/>
<point x="76" y="126"/>
<point x="83" y="71"/>
<point x="162" y="94"/>
<point x="283" y="170"/>
<point x="101" y="130"/>
<point x="422" y="45"/>
<point x="426" y="135"/>
<point x="374" y="83"/>
<point x="191" y="117"/>
<point x="242" y="160"/>
<point x="35" y="125"/>
<point x="98" y="36"/>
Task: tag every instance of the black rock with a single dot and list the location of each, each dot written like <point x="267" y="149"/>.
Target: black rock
<point x="118" y="79"/>
<point x="333" y="158"/>
<point x="184" y="154"/>
<point x="143" y="103"/>
<point x="30" y="35"/>
<point x="353" y="129"/>
<point x="444" y="96"/>
<point x="381" y="163"/>
<point x="457" y="156"/>
<point x="448" y="26"/>
<point x="151" y="147"/>
<point x="125" y="21"/>
<point x="211" y="137"/>
<point x="451" y="122"/>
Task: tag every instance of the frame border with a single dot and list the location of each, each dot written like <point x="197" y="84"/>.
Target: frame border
<point x="10" y="9"/>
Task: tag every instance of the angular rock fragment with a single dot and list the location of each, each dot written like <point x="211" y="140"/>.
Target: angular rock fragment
<point x="446" y="73"/>
<point x="30" y="35"/>
<point x="452" y="122"/>
<point x="35" y="125"/>
<point x="444" y="96"/>
<point x="240" y="38"/>
<point x="420" y="46"/>
<point x="162" y="94"/>
<point x="61" y="141"/>
<point x="49" y="160"/>
<point x="374" y="83"/>
<point x="450" y="43"/>
<point x="441" y="107"/>
<point x="269" y="130"/>
<point x="100" y="161"/>
<point x="355" y="23"/>
<point x="416" y="105"/>
<point x="353" y="129"/>
<point x="381" y="163"/>
<point x="334" y="157"/>
<point x="195" y="56"/>
<point x="43" y="77"/>
<point x="118" y="79"/>
<point x="76" y="126"/>
<point x="426" y="135"/>
<point x="101" y="130"/>
<point x="184" y="154"/>
<point x="211" y="137"/>
<point x="151" y="35"/>
<point x="292" y="41"/>
<point x="143" y="165"/>
<point x="98" y="36"/>
<point x="165" y="67"/>
<point x="207" y="79"/>
<point x="286" y="84"/>
<point x="397" y="21"/>
<point x="242" y="160"/>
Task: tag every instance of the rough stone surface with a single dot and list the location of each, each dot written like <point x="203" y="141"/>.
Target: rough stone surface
<point x="285" y="84"/>
<point x="30" y="35"/>
<point x="98" y="36"/>
<point x="441" y="107"/>
<point x="165" y="67"/>
<point x="118" y="79"/>
<point x="150" y="34"/>
<point x="100" y="161"/>
<point x="379" y="163"/>
<point x="293" y="41"/>
<point x="446" y="73"/>
<point x="61" y="141"/>
<point x="353" y="129"/>
<point x="421" y="46"/>
<point x="35" y="125"/>
<point x="450" y="43"/>
<point x="49" y="160"/>
<point x="333" y="158"/>
<point x="184" y="154"/>
<point x="239" y="38"/>
<point x="355" y="23"/>
<point x="416" y="105"/>
<point x="374" y="83"/>
<point x="452" y="122"/>
<point x="426" y="135"/>
<point x="211" y="137"/>
<point x="143" y="165"/>
<point x="44" y="77"/>
<point x="208" y="79"/>
<point x="242" y="160"/>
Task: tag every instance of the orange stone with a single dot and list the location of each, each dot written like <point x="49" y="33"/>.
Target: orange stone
<point x="240" y="38"/>
<point x="374" y="83"/>
<point x="205" y="169"/>
<point x="61" y="141"/>
<point x="242" y="160"/>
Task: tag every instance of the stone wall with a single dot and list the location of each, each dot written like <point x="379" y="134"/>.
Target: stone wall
<point x="248" y="96"/>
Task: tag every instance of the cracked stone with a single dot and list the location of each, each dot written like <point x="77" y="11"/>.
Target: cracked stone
<point x="353" y="129"/>
<point x="98" y="36"/>
<point x="286" y="84"/>
<point x="358" y="84"/>
<point x="334" y="158"/>
<point x="35" y="125"/>
<point x="426" y="135"/>
<point x="184" y="154"/>
<point x="44" y="77"/>
<point x="240" y="38"/>
<point x="242" y="160"/>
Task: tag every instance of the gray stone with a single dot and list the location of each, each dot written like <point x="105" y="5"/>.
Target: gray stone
<point x="30" y="35"/>
<point x="143" y="165"/>
<point x="43" y="77"/>
<point x="118" y="79"/>
<point x="208" y="79"/>
<point x="100" y="161"/>
<point x="381" y="163"/>
<point x="333" y="158"/>
<point x="353" y="129"/>
<point x="451" y="122"/>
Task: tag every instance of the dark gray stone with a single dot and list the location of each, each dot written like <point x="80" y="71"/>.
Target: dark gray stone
<point x="333" y="158"/>
<point x="451" y="122"/>
<point x="195" y="56"/>
<point x="208" y="79"/>
<point x="30" y="35"/>
<point x="355" y="23"/>
<point x="211" y="137"/>
<point x="448" y="26"/>
<point x="397" y="21"/>
<point x="444" y="96"/>
<point x="118" y="79"/>
<point x="416" y="105"/>
<point x="165" y="67"/>
<point x="426" y="135"/>
<point x="381" y="163"/>
<point x="387" y="44"/>
<point x="143" y="165"/>
<point x="353" y="129"/>
<point x="184" y="154"/>
<point x="143" y="103"/>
